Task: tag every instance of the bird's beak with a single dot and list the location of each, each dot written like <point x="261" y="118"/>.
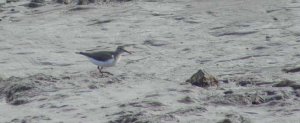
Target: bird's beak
<point x="127" y="51"/>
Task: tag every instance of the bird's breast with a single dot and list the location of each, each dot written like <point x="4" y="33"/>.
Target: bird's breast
<point x="117" y="59"/>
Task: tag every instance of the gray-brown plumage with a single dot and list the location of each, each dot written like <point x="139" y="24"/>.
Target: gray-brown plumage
<point x="105" y="58"/>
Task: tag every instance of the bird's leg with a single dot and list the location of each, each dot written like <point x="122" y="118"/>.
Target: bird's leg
<point x="100" y="70"/>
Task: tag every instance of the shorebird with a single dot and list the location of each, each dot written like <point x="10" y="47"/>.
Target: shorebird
<point x="105" y="58"/>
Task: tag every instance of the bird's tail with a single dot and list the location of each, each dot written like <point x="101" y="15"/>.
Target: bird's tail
<point x="81" y="53"/>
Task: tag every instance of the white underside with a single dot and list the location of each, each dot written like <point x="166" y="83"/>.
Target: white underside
<point x="107" y="63"/>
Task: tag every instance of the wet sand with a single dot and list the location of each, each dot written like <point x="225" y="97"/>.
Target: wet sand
<point x="245" y="44"/>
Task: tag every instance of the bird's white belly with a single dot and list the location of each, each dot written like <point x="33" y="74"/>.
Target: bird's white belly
<point x="107" y="63"/>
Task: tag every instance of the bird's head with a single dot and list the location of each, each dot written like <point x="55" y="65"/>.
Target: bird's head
<point x="120" y="49"/>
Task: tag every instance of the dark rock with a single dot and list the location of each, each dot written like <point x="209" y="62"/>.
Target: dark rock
<point x="202" y="79"/>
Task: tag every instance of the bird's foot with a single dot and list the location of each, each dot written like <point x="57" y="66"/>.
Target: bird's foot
<point x="105" y="74"/>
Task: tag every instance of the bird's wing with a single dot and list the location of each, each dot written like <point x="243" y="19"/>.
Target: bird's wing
<point x="101" y="56"/>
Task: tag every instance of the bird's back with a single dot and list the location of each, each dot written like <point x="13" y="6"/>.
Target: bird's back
<point x="100" y="56"/>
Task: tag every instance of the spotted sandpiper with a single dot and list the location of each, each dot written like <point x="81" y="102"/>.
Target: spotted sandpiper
<point x="105" y="58"/>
